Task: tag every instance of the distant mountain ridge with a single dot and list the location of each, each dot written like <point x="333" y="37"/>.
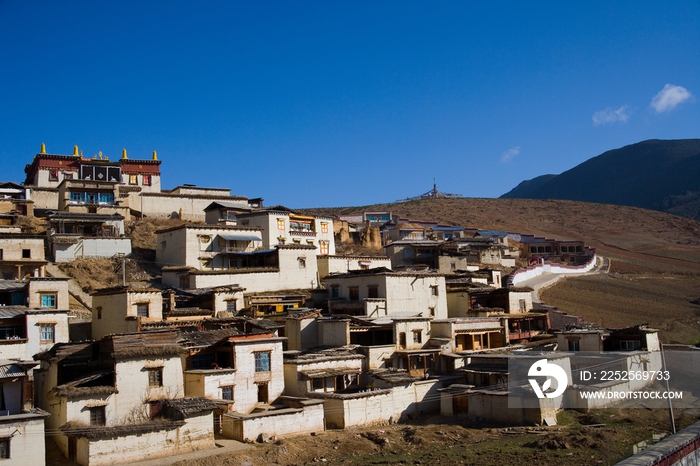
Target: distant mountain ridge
<point x="655" y="174"/>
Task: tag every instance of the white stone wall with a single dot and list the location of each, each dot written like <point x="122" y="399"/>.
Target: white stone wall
<point x="298" y="385"/>
<point x="208" y="383"/>
<point x="196" y="434"/>
<point x="245" y="391"/>
<point x="117" y="307"/>
<point x="533" y="271"/>
<point x="12" y="249"/>
<point x="92" y="247"/>
<point x="185" y="206"/>
<point x="39" y="286"/>
<point x="27" y="445"/>
<point x="383" y="406"/>
<point x="342" y="264"/>
<point x="221" y="299"/>
<point x="272" y="234"/>
<point x="403" y="293"/>
<point x="191" y="246"/>
<point x="310" y="419"/>
<point x="290" y="275"/>
<point x="457" y="304"/>
<point x="302" y="333"/>
<point x="44" y="198"/>
<point x="408" y="327"/>
<point x="514" y="298"/>
<point x="379" y="356"/>
<point x="495" y="407"/>
<point x="334" y="333"/>
<point x="587" y="341"/>
<point x="132" y="383"/>
<point x="34" y="321"/>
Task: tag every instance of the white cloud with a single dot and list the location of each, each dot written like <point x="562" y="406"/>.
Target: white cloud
<point x="611" y="115"/>
<point x="508" y="155"/>
<point x="669" y="97"/>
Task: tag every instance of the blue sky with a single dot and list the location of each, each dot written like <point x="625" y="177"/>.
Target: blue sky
<point x="311" y="104"/>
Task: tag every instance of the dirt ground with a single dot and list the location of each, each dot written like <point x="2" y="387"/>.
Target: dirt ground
<point x="602" y="437"/>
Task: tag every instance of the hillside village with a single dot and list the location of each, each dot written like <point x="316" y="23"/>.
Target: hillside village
<point x="264" y="322"/>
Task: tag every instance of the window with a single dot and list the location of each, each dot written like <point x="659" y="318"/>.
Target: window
<point x="146" y="180"/>
<point x="53" y="175"/>
<point x="97" y="416"/>
<point x="5" y="447"/>
<point x="133" y="179"/>
<point x="417" y="336"/>
<point x="77" y="197"/>
<point x="574" y="345"/>
<point x="521" y="305"/>
<point x="106" y="198"/>
<point x="354" y="292"/>
<point x="280" y="224"/>
<point x="48" y="300"/>
<point x="0" y="254"/>
<point x="99" y="312"/>
<point x="434" y="290"/>
<point x="262" y="361"/>
<point x="453" y="266"/>
<point x="203" y="361"/>
<point x="335" y="291"/>
<point x="231" y="306"/>
<point x="155" y="377"/>
<point x="372" y="291"/>
<point x="302" y="262"/>
<point x="317" y="384"/>
<point x="324" y="246"/>
<point x="227" y="393"/>
<point x="46" y="333"/>
<point x="142" y="310"/>
<point x="324" y="227"/>
<point x="26" y="253"/>
<point x="627" y="345"/>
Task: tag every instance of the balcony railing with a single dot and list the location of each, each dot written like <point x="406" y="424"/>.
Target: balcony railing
<point x="237" y="249"/>
<point x="302" y="232"/>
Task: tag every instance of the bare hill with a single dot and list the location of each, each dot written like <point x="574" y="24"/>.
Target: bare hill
<point x="654" y="174"/>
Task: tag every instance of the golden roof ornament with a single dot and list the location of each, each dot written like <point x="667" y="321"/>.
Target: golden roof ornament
<point x="124" y="154"/>
<point x="43" y="148"/>
<point x="155" y="156"/>
<point x="75" y="151"/>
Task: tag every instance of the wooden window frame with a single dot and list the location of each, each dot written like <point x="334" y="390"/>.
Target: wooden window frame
<point x="155" y="377"/>
<point x="98" y="416"/>
<point x="52" y="328"/>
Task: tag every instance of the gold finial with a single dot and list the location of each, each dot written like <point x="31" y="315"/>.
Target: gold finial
<point x="81" y="154"/>
<point x="155" y="156"/>
<point x="124" y="154"/>
<point x="43" y="148"/>
<point x="100" y="154"/>
<point x="75" y="151"/>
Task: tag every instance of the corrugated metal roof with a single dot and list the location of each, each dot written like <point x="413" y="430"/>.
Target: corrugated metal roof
<point x="241" y="237"/>
<point x="11" y="371"/>
<point x="10" y="312"/>
<point x="12" y="285"/>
